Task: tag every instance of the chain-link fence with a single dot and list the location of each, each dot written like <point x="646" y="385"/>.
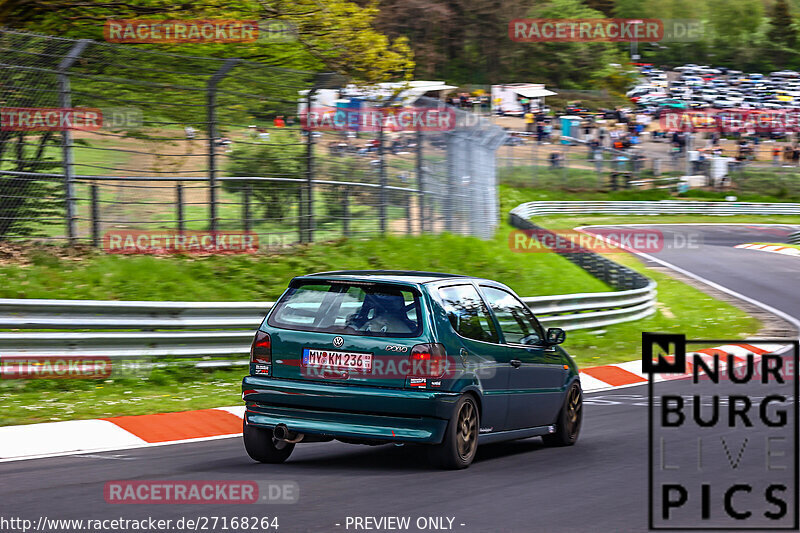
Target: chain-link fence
<point x="98" y="137"/>
<point x="569" y="163"/>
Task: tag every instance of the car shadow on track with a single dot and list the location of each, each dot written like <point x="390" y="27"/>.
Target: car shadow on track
<point x="409" y="458"/>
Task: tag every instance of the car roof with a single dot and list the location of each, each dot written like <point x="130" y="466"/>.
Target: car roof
<point x="404" y="276"/>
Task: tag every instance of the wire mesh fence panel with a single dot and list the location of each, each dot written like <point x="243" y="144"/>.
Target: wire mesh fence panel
<point x="147" y="140"/>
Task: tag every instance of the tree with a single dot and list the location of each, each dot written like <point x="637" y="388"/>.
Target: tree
<point x="569" y="65"/>
<point x="606" y="7"/>
<point x="330" y="35"/>
<point x="282" y="156"/>
<point x="782" y="34"/>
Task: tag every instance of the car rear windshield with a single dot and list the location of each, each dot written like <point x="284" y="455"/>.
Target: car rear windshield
<point x="350" y="308"/>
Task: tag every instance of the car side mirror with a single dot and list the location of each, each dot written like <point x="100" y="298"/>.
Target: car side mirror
<point x="556" y="335"/>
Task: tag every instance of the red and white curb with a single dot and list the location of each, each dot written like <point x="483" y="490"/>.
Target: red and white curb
<point x="618" y="375"/>
<point x="774" y="248"/>
<point x="117" y="433"/>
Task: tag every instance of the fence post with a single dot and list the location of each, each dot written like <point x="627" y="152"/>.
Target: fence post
<point x="246" y="206"/>
<point x="95" y="214"/>
<point x="179" y="200"/>
<point x="687" y="148"/>
<point x="306" y="217"/>
<point x="346" y="210"/>
<point x="382" y="177"/>
<point x="65" y="101"/>
<point x="449" y="191"/>
<point x="420" y="182"/>
<point x="409" y="225"/>
<point x="211" y="102"/>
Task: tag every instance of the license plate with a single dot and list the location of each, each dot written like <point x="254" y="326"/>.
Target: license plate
<point x="337" y="359"/>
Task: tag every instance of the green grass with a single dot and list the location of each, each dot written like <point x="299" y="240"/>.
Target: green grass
<point x="54" y="273"/>
<point x="162" y="390"/>
<point x="51" y="273"/>
<point x="263" y="277"/>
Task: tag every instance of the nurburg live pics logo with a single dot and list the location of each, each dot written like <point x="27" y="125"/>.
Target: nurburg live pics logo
<point x="722" y="433"/>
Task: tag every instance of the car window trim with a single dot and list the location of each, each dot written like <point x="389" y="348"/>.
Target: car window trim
<point x="418" y="295"/>
<point x="488" y="309"/>
<point x="537" y="324"/>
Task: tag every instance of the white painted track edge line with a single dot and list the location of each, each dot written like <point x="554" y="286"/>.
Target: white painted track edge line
<point x="766" y="307"/>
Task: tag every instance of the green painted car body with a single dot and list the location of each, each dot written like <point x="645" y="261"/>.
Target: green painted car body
<point x="518" y="383"/>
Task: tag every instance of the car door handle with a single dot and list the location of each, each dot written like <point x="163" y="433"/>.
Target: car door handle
<point x="516" y="363"/>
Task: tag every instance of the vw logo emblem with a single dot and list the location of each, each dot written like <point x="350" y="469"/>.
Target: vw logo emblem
<point x="338" y="342"/>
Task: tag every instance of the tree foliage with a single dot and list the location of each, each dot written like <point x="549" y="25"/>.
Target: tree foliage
<point x="331" y="35"/>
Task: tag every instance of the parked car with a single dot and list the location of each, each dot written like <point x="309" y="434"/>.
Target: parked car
<point x="377" y="357"/>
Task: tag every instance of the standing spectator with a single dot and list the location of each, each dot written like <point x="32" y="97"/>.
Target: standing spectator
<point x="190" y="133"/>
<point x="498" y="105"/>
<point x="594" y="146"/>
<point x="601" y="135"/>
<point x="279" y="122"/>
<point x="548" y="131"/>
<point x="795" y="154"/>
<point x="776" y="156"/>
<point x="529" y="121"/>
<point x="526" y="104"/>
<point x="540" y="132"/>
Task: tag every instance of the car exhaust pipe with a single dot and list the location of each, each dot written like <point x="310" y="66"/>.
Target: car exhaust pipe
<point x="281" y="432"/>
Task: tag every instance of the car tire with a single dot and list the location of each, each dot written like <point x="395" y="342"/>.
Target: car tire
<point x="568" y="424"/>
<point x="460" y="443"/>
<point x="261" y="446"/>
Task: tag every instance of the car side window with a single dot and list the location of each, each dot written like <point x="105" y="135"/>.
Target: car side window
<point x="516" y="321"/>
<point x="467" y="313"/>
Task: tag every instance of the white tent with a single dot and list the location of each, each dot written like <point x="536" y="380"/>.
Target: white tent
<point x="505" y="98"/>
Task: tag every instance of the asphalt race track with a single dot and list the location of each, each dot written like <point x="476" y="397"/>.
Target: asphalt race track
<point x="601" y="484"/>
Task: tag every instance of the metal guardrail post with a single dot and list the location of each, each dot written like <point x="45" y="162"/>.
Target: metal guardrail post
<point x="65" y="102"/>
<point x="211" y="103"/>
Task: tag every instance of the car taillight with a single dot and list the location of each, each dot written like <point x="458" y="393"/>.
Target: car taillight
<point x="427" y="361"/>
<point x="261" y="349"/>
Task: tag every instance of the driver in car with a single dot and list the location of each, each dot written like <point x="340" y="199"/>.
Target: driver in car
<point x="389" y="315"/>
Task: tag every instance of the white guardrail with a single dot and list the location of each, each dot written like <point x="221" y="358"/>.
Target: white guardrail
<point x="568" y="311"/>
<point x="660" y="207"/>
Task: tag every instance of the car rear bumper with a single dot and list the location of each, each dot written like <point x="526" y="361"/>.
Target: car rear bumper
<point x="374" y="413"/>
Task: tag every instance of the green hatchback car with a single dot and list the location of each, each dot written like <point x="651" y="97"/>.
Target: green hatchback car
<point x="404" y="357"/>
